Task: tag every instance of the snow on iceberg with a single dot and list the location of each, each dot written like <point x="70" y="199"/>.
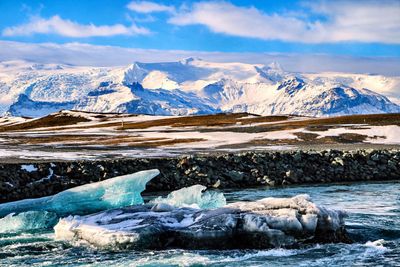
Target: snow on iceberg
<point x="267" y="223"/>
<point x="116" y="192"/>
<point x="193" y="196"/>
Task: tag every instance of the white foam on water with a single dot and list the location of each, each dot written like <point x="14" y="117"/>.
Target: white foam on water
<point x="182" y="258"/>
<point x="279" y="252"/>
<point x="355" y="253"/>
<point x="377" y="245"/>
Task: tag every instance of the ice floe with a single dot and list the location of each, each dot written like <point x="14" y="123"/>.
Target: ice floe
<point x="187" y="218"/>
<point x="112" y="193"/>
<point x="267" y="223"/>
<point x="26" y="221"/>
<point x="194" y="197"/>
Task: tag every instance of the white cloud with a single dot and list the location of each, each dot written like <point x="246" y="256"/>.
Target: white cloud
<point x="363" y="21"/>
<point x="96" y="55"/>
<point x="68" y="28"/>
<point x="223" y="17"/>
<point x="343" y="21"/>
<point x="149" y="7"/>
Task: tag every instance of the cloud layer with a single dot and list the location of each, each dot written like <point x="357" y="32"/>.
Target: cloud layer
<point x="149" y="7"/>
<point x="338" y="21"/>
<point x="93" y="55"/>
<point x="68" y="28"/>
<point x="314" y="22"/>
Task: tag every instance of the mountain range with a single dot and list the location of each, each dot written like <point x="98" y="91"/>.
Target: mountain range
<point x="190" y="86"/>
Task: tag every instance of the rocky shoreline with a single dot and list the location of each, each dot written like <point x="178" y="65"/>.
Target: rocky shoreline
<point x="233" y="170"/>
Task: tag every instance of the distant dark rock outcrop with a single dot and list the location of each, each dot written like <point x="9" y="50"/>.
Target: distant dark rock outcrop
<point x="26" y="107"/>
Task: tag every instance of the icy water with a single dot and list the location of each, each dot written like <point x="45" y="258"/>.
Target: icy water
<point x="373" y="222"/>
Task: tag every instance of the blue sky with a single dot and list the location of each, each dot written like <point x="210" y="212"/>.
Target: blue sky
<point x="334" y="28"/>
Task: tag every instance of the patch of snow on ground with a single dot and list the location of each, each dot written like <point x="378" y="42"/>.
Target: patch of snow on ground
<point x="28" y="168"/>
<point x="389" y="134"/>
<point x="219" y="138"/>
<point x="37" y="154"/>
<point x="11" y="120"/>
<point x="279" y="135"/>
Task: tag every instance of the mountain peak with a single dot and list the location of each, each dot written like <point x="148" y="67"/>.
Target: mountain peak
<point x="189" y="60"/>
<point x="191" y="86"/>
<point x="275" y="66"/>
<point x="133" y="73"/>
<point x="272" y="72"/>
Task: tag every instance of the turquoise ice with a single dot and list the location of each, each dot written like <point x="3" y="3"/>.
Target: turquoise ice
<point x="27" y="221"/>
<point x="112" y="193"/>
<point x="117" y="192"/>
<point x="193" y="196"/>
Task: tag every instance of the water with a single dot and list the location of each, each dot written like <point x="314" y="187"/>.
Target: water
<point x="374" y="222"/>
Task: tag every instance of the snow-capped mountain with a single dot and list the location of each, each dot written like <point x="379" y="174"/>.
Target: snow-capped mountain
<point x="190" y="86"/>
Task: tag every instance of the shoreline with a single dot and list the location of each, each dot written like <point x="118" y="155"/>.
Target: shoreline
<point x="217" y="170"/>
<point x="169" y="153"/>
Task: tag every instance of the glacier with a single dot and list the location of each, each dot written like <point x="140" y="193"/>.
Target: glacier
<point x="116" y="192"/>
<point x="193" y="86"/>
<point x="266" y="223"/>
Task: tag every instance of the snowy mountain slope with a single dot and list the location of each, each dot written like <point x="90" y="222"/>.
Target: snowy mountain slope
<point x="143" y="101"/>
<point x="388" y="86"/>
<point x="25" y="107"/>
<point x="191" y="86"/>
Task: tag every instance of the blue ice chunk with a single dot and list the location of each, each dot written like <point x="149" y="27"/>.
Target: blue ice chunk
<point x="26" y="221"/>
<point x="112" y="193"/>
<point x="193" y="196"/>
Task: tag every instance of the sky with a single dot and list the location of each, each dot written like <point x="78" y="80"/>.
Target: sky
<point x="352" y="35"/>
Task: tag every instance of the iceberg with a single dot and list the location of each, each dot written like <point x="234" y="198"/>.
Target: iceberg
<point x="266" y="223"/>
<point x="26" y="221"/>
<point x="194" y="197"/>
<point x="116" y="192"/>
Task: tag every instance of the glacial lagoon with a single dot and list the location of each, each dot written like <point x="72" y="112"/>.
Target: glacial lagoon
<point x="373" y="223"/>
